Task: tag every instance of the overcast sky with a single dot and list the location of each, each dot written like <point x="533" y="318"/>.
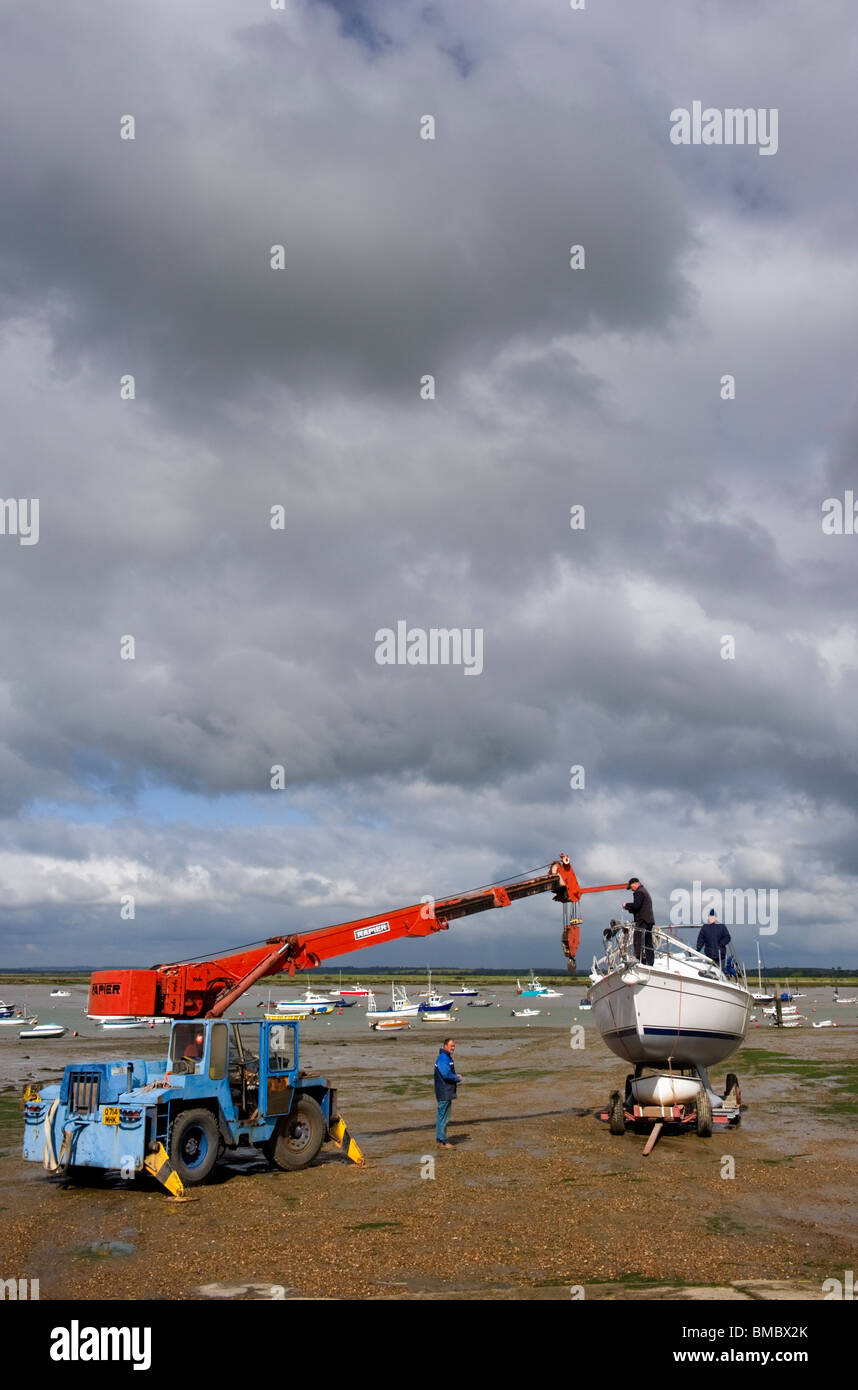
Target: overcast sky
<point x="255" y="387"/>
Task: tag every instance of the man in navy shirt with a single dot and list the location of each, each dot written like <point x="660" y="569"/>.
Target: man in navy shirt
<point x="446" y="1081"/>
<point x="713" y="939"/>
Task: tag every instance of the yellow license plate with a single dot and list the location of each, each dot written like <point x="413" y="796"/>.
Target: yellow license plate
<point x="111" y="1115"/>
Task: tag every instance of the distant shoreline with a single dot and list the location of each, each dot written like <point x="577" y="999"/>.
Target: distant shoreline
<point x="408" y="975"/>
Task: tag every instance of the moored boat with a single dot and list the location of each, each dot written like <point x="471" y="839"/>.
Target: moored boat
<point x="465" y="992"/>
<point x="400" y="1006"/>
<point x="311" y="1003"/>
<point x="536" y="989"/>
<point x="42" y="1030"/>
<point x="60" y="994"/>
<point x="526" y="1013"/>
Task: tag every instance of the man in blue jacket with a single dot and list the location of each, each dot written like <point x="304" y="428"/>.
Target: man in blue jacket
<point x="713" y="939"/>
<point x="446" y="1081"/>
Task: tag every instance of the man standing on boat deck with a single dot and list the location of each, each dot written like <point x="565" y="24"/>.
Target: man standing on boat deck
<point x="446" y="1081"/>
<point x="713" y="939"/>
<point x="641" y="909"/>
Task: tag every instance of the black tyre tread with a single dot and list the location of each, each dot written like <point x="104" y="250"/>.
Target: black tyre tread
<point x="289" y="1160"/>
<point x="704" y="1114"/>
<point x="183" y="1121"/>
<point x="616" y="1116"/>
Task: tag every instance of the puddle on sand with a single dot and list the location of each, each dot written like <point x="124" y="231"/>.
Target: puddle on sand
<point x="101" y="1249"/>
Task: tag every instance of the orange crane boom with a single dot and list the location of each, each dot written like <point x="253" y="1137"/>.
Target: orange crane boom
<point x="207" y="988"/>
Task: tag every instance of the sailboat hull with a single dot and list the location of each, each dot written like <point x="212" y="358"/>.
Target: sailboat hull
<point x="650" y="1015"/>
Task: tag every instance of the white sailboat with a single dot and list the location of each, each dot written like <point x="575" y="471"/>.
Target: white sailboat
<point x="760" y="997"/>
<point x="683" y="1009"/>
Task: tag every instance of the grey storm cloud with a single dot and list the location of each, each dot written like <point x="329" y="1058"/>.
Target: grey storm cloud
<point x="300" y="388"/>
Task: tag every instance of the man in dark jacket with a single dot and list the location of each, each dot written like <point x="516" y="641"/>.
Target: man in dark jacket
<point x="713" y="939"/>
<point x="446" y="1081"/>
<point x="641" y="909"/>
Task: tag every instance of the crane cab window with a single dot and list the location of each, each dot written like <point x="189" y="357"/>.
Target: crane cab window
<point x="217" y="1055"/>
<point x="187" y="1047"/>
<point x="280" y="1048"/>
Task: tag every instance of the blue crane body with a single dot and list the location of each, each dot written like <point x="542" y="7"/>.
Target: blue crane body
<point x="223" y="1085"/>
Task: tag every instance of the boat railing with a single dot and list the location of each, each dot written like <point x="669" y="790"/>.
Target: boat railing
<point x="620" y="952"/>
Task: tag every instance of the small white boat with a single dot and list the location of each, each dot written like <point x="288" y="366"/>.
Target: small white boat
<point x="465" y="992"/>
<point x="436" y="1018"/>
<point x="60" y="994"/>
<point x="400" y="1006"/>
<point x="42" y="1030"/>
<point x="846" y="999"/>
<point x="665" y="1090"/>
<point x="825" y="1023"/>
<point x="787" y="1011"/>
<point x="123" y="1025"/>
<point x="525" y="1013"/>
<point x="311" y="1003"/>
<point x="585" y="1003"/>
<point x="786" y="1023"/>
<point x="533" y="987"/>
<point x="7" y="1010"/>
<point x="16" y="1021"/>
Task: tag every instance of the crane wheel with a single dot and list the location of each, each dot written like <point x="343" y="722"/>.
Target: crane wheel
<point x="299" y="1136"/>
<point x="194" y="1142"/>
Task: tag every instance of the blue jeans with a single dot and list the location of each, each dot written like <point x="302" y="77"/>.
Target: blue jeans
<point x="441" y="1122"/>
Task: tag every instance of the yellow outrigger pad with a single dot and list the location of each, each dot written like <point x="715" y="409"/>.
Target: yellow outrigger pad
<point x="341" y="1136"/>
<point x="159" y="1165"/>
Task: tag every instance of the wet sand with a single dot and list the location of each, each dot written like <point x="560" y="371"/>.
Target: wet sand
<point x="535" y="1199"/>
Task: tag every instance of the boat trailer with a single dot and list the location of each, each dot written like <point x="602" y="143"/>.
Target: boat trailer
<point x="680" y="1100"/>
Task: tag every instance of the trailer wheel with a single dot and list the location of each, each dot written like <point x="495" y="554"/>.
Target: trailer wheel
<point x="194" y="1141"/>
<point x="704" y="1114"/>
<point x="616" y="1114"/>
<point x="299" y="1136"/>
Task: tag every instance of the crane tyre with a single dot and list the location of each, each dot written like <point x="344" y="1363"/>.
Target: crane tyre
<point x="299" y="1136"/>
<point x="731" y="1088"/>
<point x="194" y="1144"/>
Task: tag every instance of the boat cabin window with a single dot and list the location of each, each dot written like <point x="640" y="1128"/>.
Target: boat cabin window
<point x="187" y="1046"/>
